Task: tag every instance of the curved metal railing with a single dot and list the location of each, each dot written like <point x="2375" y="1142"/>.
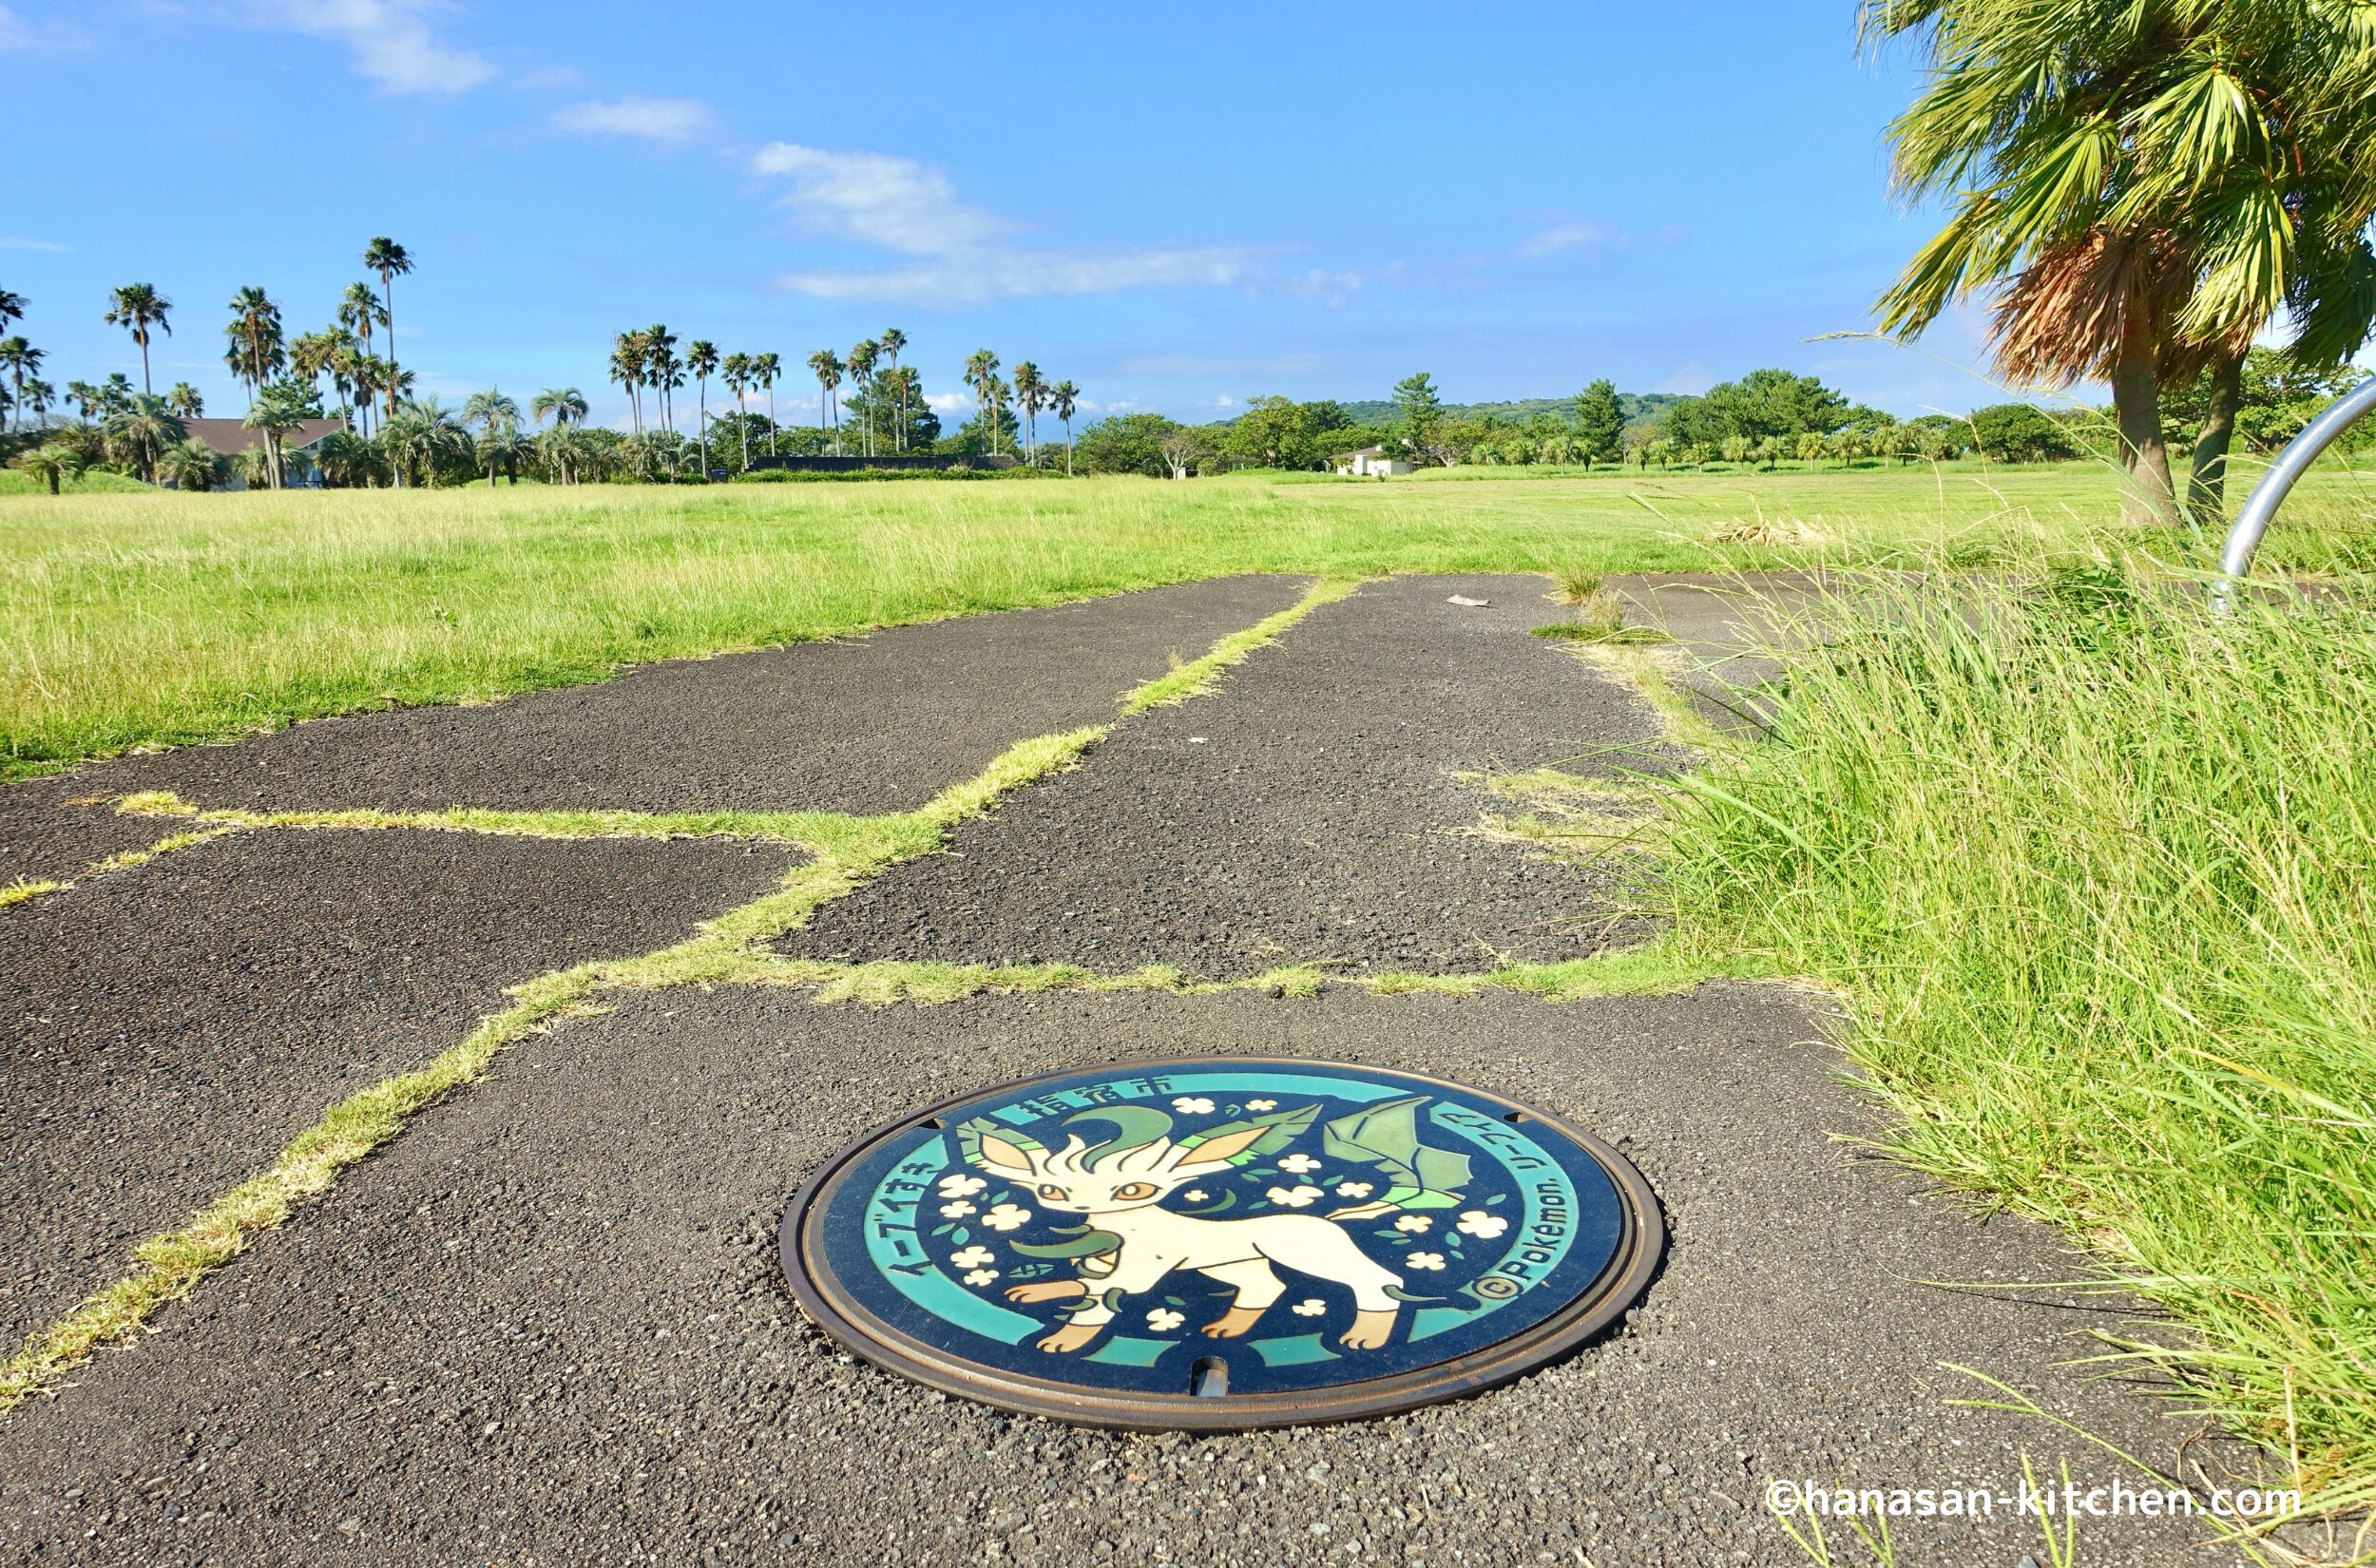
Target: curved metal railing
<point x="2260" y="508"/>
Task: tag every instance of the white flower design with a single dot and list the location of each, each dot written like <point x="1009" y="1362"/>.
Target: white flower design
<point x="1424" y="1260"/>
<point x="1413" y="1223"/>
<point x="981" y="1276"/>
<point x="1298" y="1164"/>
<point x="1163" y="1320"/>
<point x="1198" y="1195"/>
<point x="1356" y="1189"/>
<point x="1311" y="1307"/>
<point x="1297" y="1197"/>
<point x="1192" y="1105"/>
<point x="956" y="1211"/>
<point x="1485" y="1227"/>
<point x="974" y="1258"/>
<point x="961" y="1186"/>
<point x="1262" y="1105"/>
<point x="1006" y="1216"/>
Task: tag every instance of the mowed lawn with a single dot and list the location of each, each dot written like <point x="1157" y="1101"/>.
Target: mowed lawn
<point x="148" y="618"/>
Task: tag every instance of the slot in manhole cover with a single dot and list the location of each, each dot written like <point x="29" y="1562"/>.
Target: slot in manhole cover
<point x="1220" y="1243"/>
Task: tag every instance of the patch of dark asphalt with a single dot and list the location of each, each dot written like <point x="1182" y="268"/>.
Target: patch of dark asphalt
<point x="862" y="724"/>
<point x="45" y="837"/>
<point x="1729" y="630"/>
<point x="1307" y="812"/>
<point x="546" y="1327"/>
<point x="169" y="1028"/>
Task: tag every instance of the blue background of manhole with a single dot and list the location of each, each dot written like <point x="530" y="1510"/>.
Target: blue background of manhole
<point x="1499" y="1224"/>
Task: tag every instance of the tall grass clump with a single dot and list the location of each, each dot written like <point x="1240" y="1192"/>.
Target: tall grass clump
<point x="2094" y="866"/>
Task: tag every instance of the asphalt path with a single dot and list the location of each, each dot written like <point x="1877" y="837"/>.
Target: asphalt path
<point x="546" y="1324"/>
<point x="546" y="1327"/>
<point x="1317" y="813"/>
<point x="167" y="1030"/>
<point x="859" y="724"/>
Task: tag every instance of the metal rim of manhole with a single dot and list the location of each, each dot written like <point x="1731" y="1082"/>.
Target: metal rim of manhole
<point x="1220" y="1243"/>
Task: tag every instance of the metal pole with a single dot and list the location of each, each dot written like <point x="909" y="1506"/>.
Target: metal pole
<point x="2261" y="506"/>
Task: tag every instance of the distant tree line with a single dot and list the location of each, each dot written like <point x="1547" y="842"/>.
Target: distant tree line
<point x="1763" y="420"/>
<point x="870" y="405"/>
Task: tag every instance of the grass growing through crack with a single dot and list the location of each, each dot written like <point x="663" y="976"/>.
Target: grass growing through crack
<point x="2094" y="866"/>
<point x="802" y="828"/>
<point x="847" y="850"/>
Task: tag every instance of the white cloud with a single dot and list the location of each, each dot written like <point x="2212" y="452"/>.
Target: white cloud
<point x="1691" y="380"/>
<point x="877" y="199"/>
<point x="17" y="33"/>
<point x="18" y="242"/>
<point x="963" y="254"/>
<point x="1564" y="236"/>
<point x="393" y="42"/>
<point x="547" y="79"/>
<point x="948" y="402"/>
<point x="669" y="121"/>
<point x="974" y="276"/>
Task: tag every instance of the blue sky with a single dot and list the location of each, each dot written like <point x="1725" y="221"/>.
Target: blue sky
<point x="1176" y="206"/>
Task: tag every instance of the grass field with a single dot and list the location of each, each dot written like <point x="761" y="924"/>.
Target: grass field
<point x="2094" y="866"/>
<point x="145" y="618"/>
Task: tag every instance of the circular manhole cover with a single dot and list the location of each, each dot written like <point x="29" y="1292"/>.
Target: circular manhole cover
<point x="1220" y="1243"/>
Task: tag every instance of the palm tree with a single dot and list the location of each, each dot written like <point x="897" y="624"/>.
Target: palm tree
<point x="359" y="310"/>
<point x="189" y="464"/>
<point x="2139" y="189"/>
<point x="139" y="307"/>
<point x="391" y="260"/>
<point x="255" y="351"/>
<point x="738" y="375"/>
<point x="310" y="353"/>
<point x="490" y="407"/>
<point x="563" y="405"/>
<point x="892" y="341"/>
<point x="981" y="370"/>
<point x="20" y="359"/>
<point x="142" y="428"/>
<point x="626" y="370"/>
<point x="346" y="459"/>
<point x="502" y="446"/>
<point x="277" y="411"/>
<point x="39" y="396"/>
<point x="11" y="307"/>
<point x="1027" y="389"/>
<point x="1060" y="402"/>
<point x="700" y="357"/>
<point x="53" y="463"/>
<point x="861" y="367"/>
<point x="828" y="369"/>
<point x="765" y="368"/>
<point x="663" y="372"/>
<point x="419" y="433"/>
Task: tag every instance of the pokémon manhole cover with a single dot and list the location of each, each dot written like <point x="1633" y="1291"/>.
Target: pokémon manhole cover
<point x="1220" y="1243"/>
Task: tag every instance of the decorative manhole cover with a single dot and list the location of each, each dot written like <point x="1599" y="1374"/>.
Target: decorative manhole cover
<point x="1220" y="1243"/>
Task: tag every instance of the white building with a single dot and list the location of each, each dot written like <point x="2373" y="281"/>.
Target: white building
<point x="1370" y="461"/>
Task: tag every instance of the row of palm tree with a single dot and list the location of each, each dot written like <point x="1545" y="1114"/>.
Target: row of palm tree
<point x="392" y="432"/>
<point x="1030" y="391"/>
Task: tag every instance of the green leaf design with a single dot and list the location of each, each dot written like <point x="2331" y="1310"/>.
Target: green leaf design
<point x="1386" y="1137"/>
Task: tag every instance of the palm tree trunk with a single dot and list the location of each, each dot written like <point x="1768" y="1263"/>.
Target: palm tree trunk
<point x="2207" y="478"/>
<point x="146" y="391"/>
<point x="2136" y="409"/>
<point x="771" y="418"/>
